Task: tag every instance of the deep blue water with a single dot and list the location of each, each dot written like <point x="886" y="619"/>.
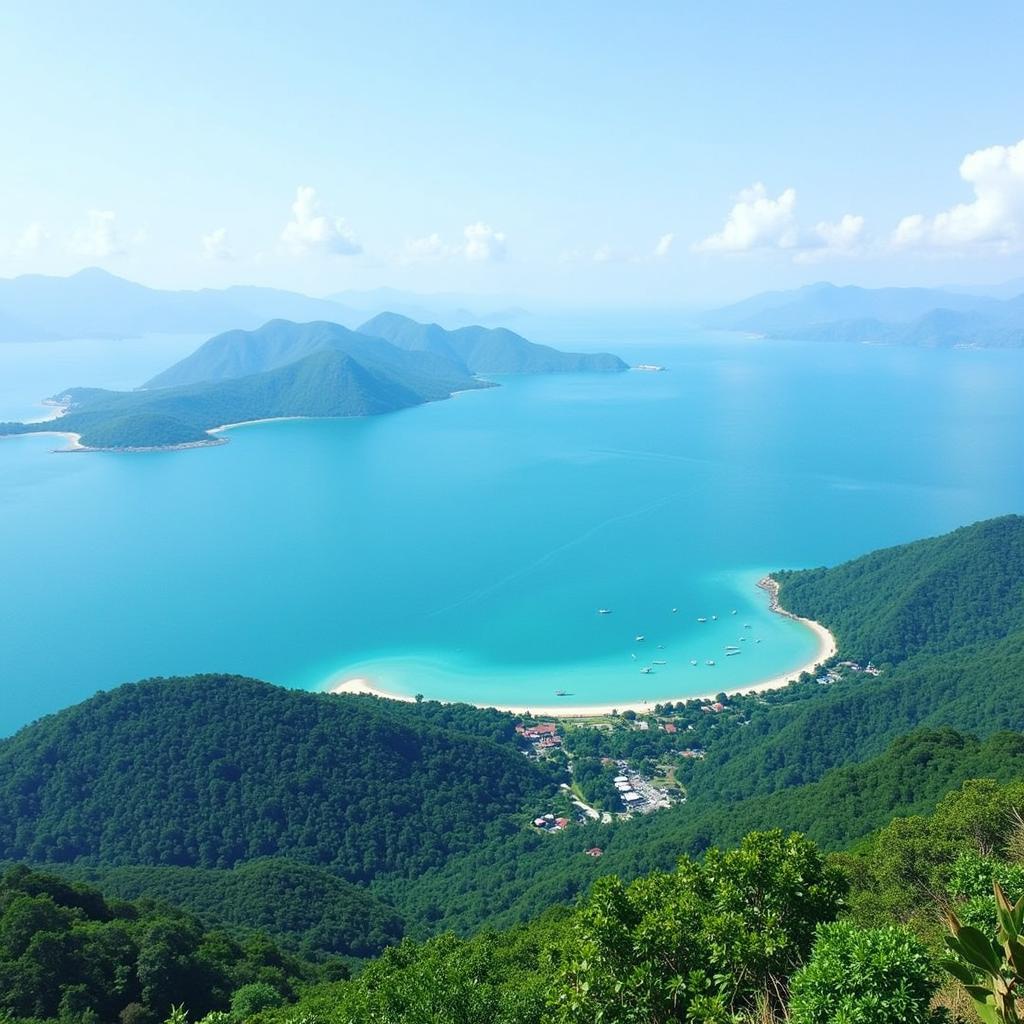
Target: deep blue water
<point x="461" y="549"/>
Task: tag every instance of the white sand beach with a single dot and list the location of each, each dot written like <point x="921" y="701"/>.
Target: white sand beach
<point x="827" y="648"/>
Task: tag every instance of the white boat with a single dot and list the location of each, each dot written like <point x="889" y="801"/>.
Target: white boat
<point x="647" y="670"/>
<point x="674" y="610"/>
<point x="702" y="619"/>
<point x="604" y="611"/>
<point x="730" y="654"/>
<point x="731" y="647"/>
<point x="715" y="617"/>
<point x="734" y="611"/>
<point x="693" y="661"/>
<point x="710" y="661"/>
<point x="659" y="662"/>
<point x="640" y="638"/>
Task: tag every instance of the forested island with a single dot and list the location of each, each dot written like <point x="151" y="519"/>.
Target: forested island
<point x="285" y="369"/>
<point x="342" y="825"/>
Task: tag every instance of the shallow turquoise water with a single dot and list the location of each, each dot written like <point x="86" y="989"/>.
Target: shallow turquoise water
<point x="461" y="549"/>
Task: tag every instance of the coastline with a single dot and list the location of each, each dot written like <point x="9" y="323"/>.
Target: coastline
<point x="827" y="648"/>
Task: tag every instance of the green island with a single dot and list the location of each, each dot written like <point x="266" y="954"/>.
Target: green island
<point x="286" y="370"/>
<point x="223" y="848"/>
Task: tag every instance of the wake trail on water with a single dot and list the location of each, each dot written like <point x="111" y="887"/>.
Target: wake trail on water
<point x="543" y="559"/>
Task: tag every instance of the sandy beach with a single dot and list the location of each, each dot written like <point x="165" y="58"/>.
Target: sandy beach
<point x="826" y="649"/>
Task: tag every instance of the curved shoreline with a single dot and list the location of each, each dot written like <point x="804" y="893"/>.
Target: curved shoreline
<point x="827" y="648"/>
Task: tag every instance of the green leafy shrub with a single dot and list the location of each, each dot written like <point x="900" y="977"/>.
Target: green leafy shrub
<point x="864" y="976"/>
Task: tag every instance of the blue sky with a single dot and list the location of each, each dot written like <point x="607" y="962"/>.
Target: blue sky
<point x="595" y="153"/>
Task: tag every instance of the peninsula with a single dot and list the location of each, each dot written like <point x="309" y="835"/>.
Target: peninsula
<point x="288" y="370"/>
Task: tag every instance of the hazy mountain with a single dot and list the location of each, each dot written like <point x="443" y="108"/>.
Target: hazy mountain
<point x="926" y="317"/>
<point x="94" y="303"/>
<point x="483" y="349"/>
<point x="828" y="303"/>
<point x="451" y="309"/>
<point x="277" y="343"/>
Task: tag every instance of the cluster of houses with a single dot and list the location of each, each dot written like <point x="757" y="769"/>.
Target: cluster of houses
<point x="543" y="736"/>
<point x="627" y="794"/>
<point x="549" y="823"/>
<point x="834" y="674"/>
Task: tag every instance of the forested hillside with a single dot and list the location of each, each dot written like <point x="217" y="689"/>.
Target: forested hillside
<point x="305" y="909"/>
<point x="68" y="953"/>
<point x="212" y="771"/>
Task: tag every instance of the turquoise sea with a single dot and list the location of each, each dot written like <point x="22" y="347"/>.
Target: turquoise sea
<point x="462" y="549"/>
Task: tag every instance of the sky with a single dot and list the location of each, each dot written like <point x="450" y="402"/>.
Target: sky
<point x="578" y="153"/>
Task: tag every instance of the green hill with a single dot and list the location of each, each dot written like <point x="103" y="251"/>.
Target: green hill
<point x="483" y="349"/>
<point x="237" y="354"/>
<point x="306" y="909"/>
<point x="213" y="771"/>
<point x="328" y="383"/>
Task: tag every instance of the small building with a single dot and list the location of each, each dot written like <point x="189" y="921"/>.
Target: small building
<point x="670" y="728"/>
<point x="631" y="797"/>
<point x="561" y="822"/>
<point x="594" y="851"/>
<point x="620" y="778"/>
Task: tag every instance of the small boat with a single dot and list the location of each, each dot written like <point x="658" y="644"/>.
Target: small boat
<point x="661" y="647"/>
<point x="702" y="619"/>
<point x="710" y="661"/>
<point x="559" y="693"/>
<point x="743" y="639"/>
<point x="731" y="647"/>
<point x="604" y="611"/>
<point x="730" y="654"/>
<point x="714" y="618"/>
<point x="734" y="611"/>
<point x="647" y="670"/>
<point x="659" y="662"/>
<point x="674" y="610"/>
<point x="747" y="625"/>
<point x="758" y="640"/>
<point x="693" y="661"/>
<point x="640" y="638"/>
<point x="633" y="656"/>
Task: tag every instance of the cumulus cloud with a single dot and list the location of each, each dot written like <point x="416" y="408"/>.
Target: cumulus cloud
<point x="483" y="244"/>
<point x="661" y="250"/>
<point x="759" y="221"/>
<point x="756" y="221"/>
<point x="480" y="244"/>
<point x="426" y="250"/>
<point x="994" y="217"/>
<point x="309" y="229"/>
<point x="99" y="237"/>
<point x="215" y="245"/>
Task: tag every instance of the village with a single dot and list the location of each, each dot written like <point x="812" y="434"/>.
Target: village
<point x="623" y="764"/>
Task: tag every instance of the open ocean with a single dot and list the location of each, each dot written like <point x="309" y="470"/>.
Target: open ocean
<point x="461" y="549"/>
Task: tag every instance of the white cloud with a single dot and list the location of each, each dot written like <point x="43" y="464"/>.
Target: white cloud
<point x="756" y="221"/>
<point x="32" y="238"/>
<point x="215" y="245"/>
<point x="309" y="229"/>
<point x="844" y="235"/>
<point x="483" y="243"/>
<point x="664" y="244"/>
<point x="99" y="237"/>
<point x="995" y="216"/>
<point x="426" y="250"/>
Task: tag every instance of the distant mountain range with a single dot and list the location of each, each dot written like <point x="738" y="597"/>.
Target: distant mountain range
<point x="286" y="369"/>
<point x="93" y="303"/>
<point x="96" y="304"/>
<point x="925" y="317"/>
